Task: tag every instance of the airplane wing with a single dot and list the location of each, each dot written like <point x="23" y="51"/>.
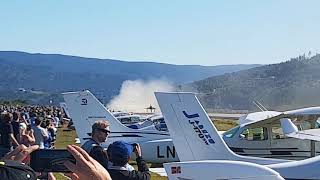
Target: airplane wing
<point x="305" y="111"/>
<point x="259" y="122"/>
<point x="310" y="134"/>
<point x="271" y="117"/>
<point x="290" y="130"/>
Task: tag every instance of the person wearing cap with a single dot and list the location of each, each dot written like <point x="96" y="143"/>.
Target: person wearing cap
<point x="127" y="166"/>
<point x="120" y="155"/>
<point x="99" y="134"/>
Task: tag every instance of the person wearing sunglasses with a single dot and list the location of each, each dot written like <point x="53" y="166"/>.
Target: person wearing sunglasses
<point x="100" y="132"/>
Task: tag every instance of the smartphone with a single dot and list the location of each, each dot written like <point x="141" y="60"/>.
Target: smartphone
<point x="134" y="145"/>
<point x="50" y="160"/>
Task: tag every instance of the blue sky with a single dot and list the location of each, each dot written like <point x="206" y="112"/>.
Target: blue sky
<point x="205" y="32"/>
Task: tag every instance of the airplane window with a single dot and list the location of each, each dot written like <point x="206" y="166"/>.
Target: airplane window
<point x="304" y="125"/>
<point x="161" y="126"/>
<point x="255" y="134"/>
<point x="231" y="132"/>
<point x="277" y="132"/>
<point x="157" y="126"/>
<point x="318" y="123"/>
<point x="135" y="119"/>
<point x="125" y="120"/>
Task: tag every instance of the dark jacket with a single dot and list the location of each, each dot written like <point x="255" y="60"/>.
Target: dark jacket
<point x="142" y="173"/>
<point x="6" y="130"/>
<point x="96" y="152"/>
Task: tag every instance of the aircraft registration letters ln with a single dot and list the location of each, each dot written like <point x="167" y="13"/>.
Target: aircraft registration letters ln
<point x="169" y="152"/>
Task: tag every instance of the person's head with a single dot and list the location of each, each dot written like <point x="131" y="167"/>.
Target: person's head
<point x="15" y="116"/>
<point x="6" y="117"/>
<point x="100" y="131"/>
<point x="44" y="124"/>
<point x="22" y="126"/>
<point x="37" y="121"/>
<point x="120" y="152"/>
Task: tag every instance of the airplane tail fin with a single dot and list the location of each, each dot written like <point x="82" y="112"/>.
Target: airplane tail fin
<point x="85" y="109"/>
<point x="65" y="109"/>
<point x="193" y="133"/>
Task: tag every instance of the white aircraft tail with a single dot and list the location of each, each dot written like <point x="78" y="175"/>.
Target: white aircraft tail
<point x="65" y="109"/>
<point x="85" y="109"/>
<point x="192" y="131"/>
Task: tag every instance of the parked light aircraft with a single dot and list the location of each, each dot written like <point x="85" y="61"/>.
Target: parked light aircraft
<point x="119" y="113"/>
<point x="162" y="149"/>
<point x="153" y="122"/>
<point x="261" y="134"/>
<point x="196" y="138"/>
<point x="131" y="119"/>
<point x="85" y="109"/>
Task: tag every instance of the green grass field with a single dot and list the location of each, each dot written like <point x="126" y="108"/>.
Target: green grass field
<point x="66" y="137"/>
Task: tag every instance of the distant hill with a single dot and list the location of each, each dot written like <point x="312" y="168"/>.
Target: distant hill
<point x="288" y="85"/>
<point x="45" y="76"/>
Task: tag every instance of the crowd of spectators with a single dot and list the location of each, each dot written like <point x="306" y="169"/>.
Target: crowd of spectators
<point x="28" y="125"/>
<point x="24" y="129"/>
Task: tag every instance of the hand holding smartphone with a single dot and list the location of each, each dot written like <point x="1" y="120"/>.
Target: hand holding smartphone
<point x="50" y="160"/>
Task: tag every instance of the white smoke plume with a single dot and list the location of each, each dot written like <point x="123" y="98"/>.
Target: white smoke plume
<point x="137" y="95"/>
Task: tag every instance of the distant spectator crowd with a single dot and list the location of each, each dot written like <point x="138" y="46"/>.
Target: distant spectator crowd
<point x="24" y="129"/>
<point x="28" y="125"/>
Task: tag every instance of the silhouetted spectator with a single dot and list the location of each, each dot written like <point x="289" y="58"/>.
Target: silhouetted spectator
<point x="6" y="133"/>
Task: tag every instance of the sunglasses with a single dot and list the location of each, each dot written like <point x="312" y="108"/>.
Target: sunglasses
<point x="105" y="131"/>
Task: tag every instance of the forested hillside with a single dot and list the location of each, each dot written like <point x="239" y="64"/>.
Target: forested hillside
<point x="288" y="85"/>
<point x="45" y="76"/>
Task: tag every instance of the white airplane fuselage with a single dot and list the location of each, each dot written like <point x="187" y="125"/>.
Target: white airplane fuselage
<point x="267" y="141"/>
